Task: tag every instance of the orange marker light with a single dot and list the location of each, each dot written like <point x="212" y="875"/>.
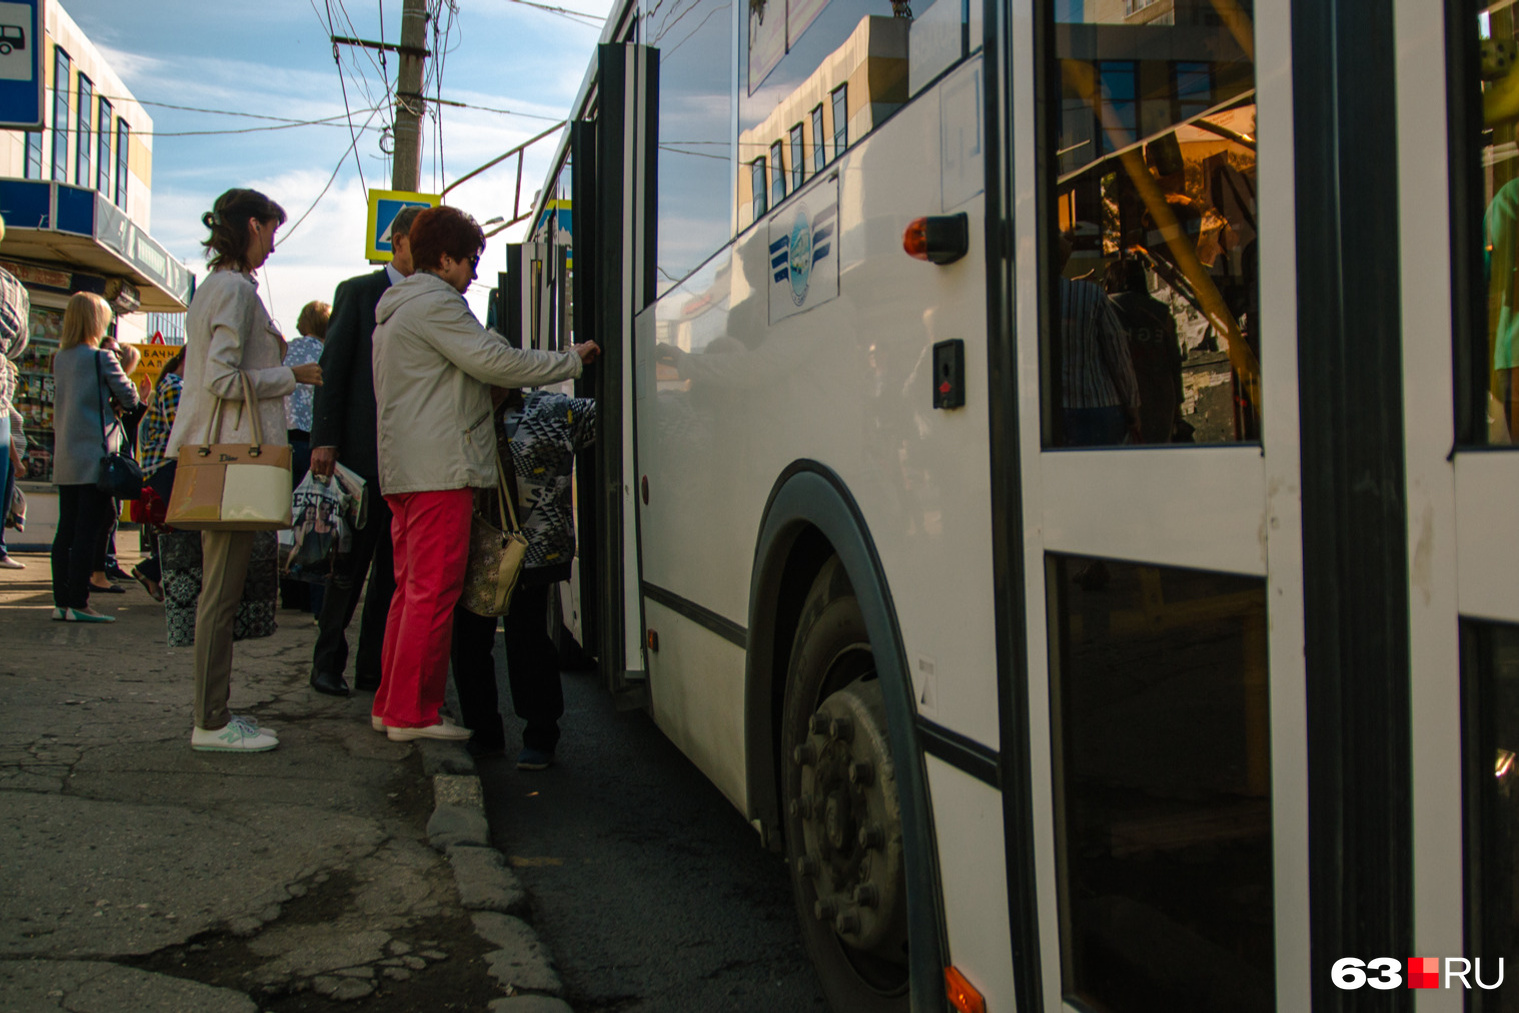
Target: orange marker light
<point x="915" y="238"/>
<point x="962" y="995"/>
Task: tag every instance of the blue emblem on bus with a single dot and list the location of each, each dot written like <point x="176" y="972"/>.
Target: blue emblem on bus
<point x="793" y="256"/>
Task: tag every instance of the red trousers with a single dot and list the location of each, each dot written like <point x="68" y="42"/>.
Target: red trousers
<point x="430" y="532"/>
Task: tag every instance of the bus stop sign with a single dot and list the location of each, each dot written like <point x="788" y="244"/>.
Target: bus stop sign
<point x="384" y="205"/>
<point x="21" y="76"/>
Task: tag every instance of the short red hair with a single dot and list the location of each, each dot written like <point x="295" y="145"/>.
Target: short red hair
<point x="444" y="230"/>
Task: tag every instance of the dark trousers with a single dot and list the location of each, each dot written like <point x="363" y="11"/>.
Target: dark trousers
<point x="372" y="554"/>
<point x="532" y="670"/>
<point x="82" y="513"/>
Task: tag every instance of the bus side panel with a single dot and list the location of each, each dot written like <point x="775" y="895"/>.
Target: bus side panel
<point x="746" y="385"/>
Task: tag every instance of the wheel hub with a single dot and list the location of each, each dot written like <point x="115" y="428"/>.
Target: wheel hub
<point x="851" y="821"/>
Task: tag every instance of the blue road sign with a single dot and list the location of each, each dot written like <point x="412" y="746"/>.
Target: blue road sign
<point x="21" y="47"/>
<point x="384" y="205"/>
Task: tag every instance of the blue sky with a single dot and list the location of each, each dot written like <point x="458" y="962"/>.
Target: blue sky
<point x="274" y="58"/>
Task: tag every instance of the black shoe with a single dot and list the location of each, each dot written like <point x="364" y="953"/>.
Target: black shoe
<point x="366" y="683"/>
<point x="117" y="573"/>
<point x="326" y="682"/>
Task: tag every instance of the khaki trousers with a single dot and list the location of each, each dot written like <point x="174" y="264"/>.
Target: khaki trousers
<point x="224" y="567"/>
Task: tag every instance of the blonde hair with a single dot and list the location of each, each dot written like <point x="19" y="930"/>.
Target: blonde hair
<point x="85" y="320"/>
<point x="313" y="319"/>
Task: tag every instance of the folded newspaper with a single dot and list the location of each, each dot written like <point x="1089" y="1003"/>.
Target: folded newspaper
<point x="324" y="514"/>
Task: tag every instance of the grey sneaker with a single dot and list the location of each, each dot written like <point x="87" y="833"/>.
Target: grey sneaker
<point x="234" y="738"/>
<point x="445" y="730"/>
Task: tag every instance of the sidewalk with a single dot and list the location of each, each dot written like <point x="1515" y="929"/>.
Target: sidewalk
<point x="139" y="875"/>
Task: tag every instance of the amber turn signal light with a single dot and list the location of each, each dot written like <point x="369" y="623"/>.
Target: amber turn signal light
<point x="938" y="239"/>
<point x="962" y="995"/>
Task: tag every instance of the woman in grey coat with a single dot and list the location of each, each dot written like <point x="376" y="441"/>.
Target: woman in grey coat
<point x="86" y="381"/>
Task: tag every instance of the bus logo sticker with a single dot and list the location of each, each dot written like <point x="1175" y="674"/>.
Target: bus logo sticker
<point x="803" y="269"/>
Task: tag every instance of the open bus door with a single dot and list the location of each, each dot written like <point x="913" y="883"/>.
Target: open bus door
<point x="614" y="280"/>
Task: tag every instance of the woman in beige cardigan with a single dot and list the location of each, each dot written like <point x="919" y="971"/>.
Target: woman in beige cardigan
<point x="228" y="333"/>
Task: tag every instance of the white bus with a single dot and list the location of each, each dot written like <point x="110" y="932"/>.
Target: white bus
<point x="1054" y="473"/>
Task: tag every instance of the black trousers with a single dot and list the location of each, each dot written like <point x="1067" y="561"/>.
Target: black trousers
<point x="532" y="671"/>
<point x="372" y="554"/>
<point x="82" y="513"/>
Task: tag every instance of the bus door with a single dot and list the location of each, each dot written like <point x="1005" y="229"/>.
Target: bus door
<point x="1146" y="462"/>
<point x="1457" y="119"/>
<point x="614" y="156"/>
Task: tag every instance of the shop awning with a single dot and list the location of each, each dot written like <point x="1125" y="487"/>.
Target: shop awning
<point x="75" y="227"/>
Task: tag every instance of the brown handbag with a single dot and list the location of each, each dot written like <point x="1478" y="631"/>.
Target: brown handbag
<point x="232" y="486"/>
<point x="495" y="557"/>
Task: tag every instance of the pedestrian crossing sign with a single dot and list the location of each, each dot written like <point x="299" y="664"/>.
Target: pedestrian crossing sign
<point x="384" y="205"/>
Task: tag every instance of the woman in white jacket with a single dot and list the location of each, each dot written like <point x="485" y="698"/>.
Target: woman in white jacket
<point x="434" y="366"/>
<point x="228" y="333"/>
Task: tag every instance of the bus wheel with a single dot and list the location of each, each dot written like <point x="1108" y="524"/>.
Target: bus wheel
<point x="843" y="822"/>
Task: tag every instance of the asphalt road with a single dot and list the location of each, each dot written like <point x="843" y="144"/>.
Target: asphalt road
<point x="649" y="887"/>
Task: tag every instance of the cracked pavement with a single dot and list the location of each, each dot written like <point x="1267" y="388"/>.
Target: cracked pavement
<point x="140" y="875"/>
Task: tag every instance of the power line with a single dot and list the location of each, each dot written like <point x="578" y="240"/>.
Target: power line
<point x="351" y="147"/>
<point x="589" y="20"/>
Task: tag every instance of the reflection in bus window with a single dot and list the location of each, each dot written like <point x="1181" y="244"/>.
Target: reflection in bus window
<point x="695" y="160"/>
<point x="1498" y="397"/>
<point x="1163" y="788"/>
<point x="1490" y="655"/>
<point x="1154" y="170"/>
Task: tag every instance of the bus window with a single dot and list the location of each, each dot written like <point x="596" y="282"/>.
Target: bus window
<point x="1163" y="787"/>
<point x="696" y="179"/>
<point x="1490" y="657"/>
<point x="1153" y="318"/>
<point x="1496" y="396"/>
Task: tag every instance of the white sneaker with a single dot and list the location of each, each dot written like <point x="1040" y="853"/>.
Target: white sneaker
<point x="444" y="729"/>
<point x="250" y="724"/>
<point x="375" y="723"/>
<point x="7" y="563"/>
<point x="234" y="738"/>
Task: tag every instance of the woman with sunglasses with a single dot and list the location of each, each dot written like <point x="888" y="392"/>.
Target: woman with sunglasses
<point x="434" y="366"/>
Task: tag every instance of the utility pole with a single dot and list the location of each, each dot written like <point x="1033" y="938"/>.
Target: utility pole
<point x="406" y="160"/>
<point x="407" y="163"/>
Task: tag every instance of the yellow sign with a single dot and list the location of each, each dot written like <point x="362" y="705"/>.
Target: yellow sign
<point x="384" y="205"/>
<point x="154" y="358"/>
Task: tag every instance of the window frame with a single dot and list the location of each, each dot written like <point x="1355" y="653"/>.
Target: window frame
<point x="63" y="73"/>
<point x="103" y="147"/>
<point x="777" y="173"/>
<point x="836" y="98"/>
<point x="798" y="158"/>
<point x="819" y="138"/>
<point x="759" y="183"/>
<point x="85" y="109"/>
<point x="123" y="162"/>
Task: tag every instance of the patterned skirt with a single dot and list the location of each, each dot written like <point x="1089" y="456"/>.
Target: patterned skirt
<point x="180" y="554"/>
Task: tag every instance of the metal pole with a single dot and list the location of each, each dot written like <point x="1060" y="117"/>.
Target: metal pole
<point x="409" y="102"/>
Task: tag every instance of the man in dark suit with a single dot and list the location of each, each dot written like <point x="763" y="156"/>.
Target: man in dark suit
<point x="343" y="428"/>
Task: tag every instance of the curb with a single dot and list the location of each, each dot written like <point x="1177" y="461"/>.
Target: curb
<point x="487" y="886"/>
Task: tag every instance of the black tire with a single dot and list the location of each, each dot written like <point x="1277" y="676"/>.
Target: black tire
<point x="832" y="660"/>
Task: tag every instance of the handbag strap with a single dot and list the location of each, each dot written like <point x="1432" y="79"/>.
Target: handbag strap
<point x="105" y="408"/>
<point x="215" y="421"/>
<point x="507" y="508"/>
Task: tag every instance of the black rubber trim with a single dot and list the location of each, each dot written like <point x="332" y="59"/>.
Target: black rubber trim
<point x="1355" y="524"/>
<point x="1015" y="758"/>
<point x="584" y="281"/>
<point x="962" y="753"/>
<point x="809" y="497"/>
<point x="1468" y="283"/>
<point x="698" y="614"/>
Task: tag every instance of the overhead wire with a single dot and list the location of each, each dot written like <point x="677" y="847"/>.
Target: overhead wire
<point x="352" y="145"/>
<point x="578" y="17"/>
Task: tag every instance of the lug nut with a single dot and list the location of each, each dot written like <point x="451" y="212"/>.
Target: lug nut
<point x="847" y="922"/>
<point x="872" y="836"/>
<point x="807" y="866"/>
<point x="862" y="772"/>
<point x="842" y="729"/>
<point x="825" y="909"/>
<point x="805" y="755"/>
<point x="866" y="895"/>
<point x="801" y="806"/>
<point x="818" y="725"/>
